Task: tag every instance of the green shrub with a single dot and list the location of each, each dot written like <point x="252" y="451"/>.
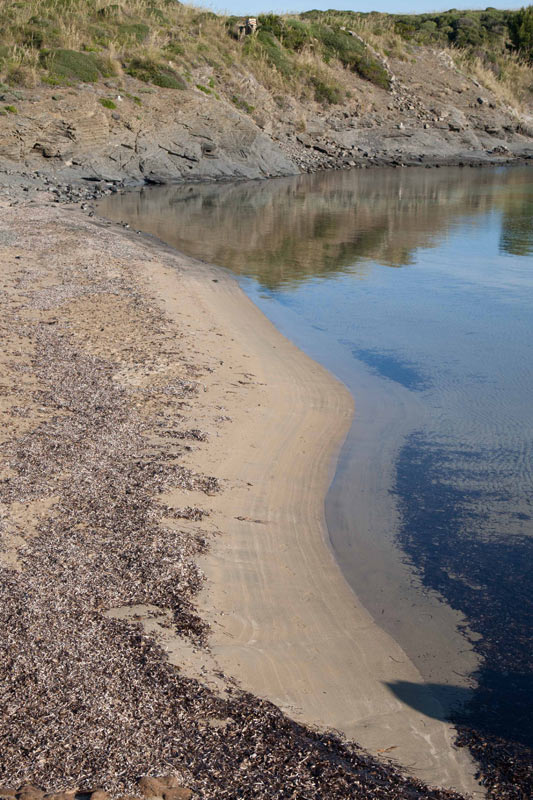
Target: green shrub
<point x="521" y="31"/>
<point x="174" y="49"/>
<point x="112" y="10"/>
<point x="51" y="81"/>
<point x="133" y="31"/>
<point x="326" y="93"/>
<point x="272" y="50"/>
<point x="20" y="75"/>
<point x="203" y="89"/>
<point x="107" y="103"/>
<point x="70" y="65"/>
<point x="150" y="71"/>
<point x="158" y="14"/>
<point x="292" y="34"/>
<point x="295" y="35"/>
<point x="242" y="104"/>
<point x="352" y="53"/>
<point x="33" y="36"/>
<point x="11" y="109"/>
<point x="39" y="32"/>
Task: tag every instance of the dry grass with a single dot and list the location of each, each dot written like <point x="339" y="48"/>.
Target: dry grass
<point x="196" y="44"/>
<point x="513" y="85"/>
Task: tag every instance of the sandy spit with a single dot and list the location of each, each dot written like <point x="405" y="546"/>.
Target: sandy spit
<point x="138" y="373"/>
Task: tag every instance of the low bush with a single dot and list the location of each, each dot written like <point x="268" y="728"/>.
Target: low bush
<point x="150" y="71"/>
<point x="351" y="52"/>
<point x="272" y="50"/>
<point x="241" y="104"/>
<point x="521" y="31"/>
<point x="326" y="93"/>
<point x="70" y="65"/>
<point x="133" y="31"/>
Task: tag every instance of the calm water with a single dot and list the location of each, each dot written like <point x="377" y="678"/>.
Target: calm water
<point x="416" y="289"/>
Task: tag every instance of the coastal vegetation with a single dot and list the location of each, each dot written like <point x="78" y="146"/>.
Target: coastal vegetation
<point x="164" y="43"/>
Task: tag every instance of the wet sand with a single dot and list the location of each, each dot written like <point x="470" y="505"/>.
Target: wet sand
<point x="284" y="621"/>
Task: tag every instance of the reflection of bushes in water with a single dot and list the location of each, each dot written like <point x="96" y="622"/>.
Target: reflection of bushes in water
<point x="287" y="231"/>
<point x="516" y="236"/>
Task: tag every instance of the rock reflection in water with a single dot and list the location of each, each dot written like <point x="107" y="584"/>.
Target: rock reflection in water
<point x="287" y="230"/>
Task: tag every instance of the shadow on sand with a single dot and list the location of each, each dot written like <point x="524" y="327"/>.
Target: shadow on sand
<point x="476" y="708"/>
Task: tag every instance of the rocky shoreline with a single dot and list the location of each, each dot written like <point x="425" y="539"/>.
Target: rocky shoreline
<point x="97" y="138"/>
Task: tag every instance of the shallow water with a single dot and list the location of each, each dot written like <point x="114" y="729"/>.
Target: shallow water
<point x="415" y="287"/>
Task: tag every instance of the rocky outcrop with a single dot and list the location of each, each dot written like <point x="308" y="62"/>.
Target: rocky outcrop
<point x="124" y="132"/>
<point x="177" y="136"/>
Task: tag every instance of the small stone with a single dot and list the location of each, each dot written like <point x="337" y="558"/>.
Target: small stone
<point x="179" y="793"/>
<point x="481" y="100"/>
<point x="151" y="787"/>
<point x="30" y="792"/>
<point x="60" y="795"/>
<point x="99" y="794"/>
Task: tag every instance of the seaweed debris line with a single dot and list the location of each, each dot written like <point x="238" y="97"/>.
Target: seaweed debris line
<point x="118" y="381"/>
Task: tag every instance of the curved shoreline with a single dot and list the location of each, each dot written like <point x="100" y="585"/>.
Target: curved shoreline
<point x="299" y="636"/>
<point x="284" y="621"/>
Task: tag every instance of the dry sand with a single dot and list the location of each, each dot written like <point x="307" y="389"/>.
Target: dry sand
<point x="284" y="621"/>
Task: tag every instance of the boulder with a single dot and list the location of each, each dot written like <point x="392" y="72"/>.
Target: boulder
<point x="457" y="120"/>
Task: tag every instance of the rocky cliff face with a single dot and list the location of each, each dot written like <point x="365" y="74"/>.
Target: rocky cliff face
<point x="433" y="114"/>
<point x="173" y="136"/>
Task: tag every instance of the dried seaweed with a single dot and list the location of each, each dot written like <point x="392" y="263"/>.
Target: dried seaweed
<point x="88" y="700"/>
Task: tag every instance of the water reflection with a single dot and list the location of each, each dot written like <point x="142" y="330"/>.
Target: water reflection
<point x="517" y="225"/>
<point x="432" y="496"/>
<point x="289" y="230"/>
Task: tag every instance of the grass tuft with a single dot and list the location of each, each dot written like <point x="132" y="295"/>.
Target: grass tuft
<point x="150" y="71"/>
<point x="70" y="65"/>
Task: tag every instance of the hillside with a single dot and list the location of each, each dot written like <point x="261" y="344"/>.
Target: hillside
<point x="153" y="90"/>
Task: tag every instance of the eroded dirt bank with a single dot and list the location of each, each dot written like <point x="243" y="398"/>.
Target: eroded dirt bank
<point x="128" y="413"/>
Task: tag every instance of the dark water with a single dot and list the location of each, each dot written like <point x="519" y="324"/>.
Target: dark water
<point x="416" y="289"/>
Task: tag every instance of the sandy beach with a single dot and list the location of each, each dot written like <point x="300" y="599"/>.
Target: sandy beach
<point x="187" y="349"/>
<point x="284" y="621"/>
